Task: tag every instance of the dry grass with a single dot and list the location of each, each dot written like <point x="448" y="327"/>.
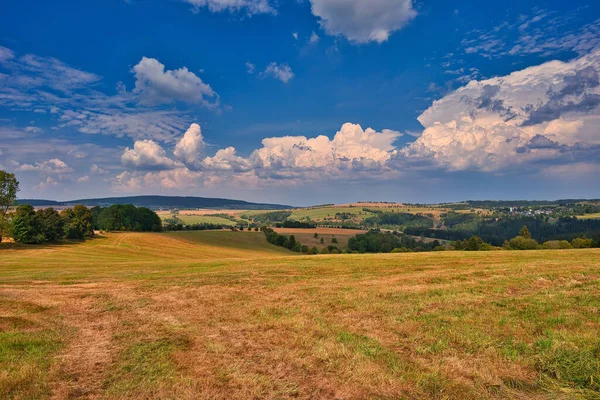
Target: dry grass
<point x="222" y="315"/>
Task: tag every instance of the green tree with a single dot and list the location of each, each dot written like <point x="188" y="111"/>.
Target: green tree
<point x="474" y="244"/>
<point x="25" y="226"/>
<point x="78" y="222"/>
<point x="9" y="186"/>
<point x="51" y="225"/>
<point x="334" y="240"/>
<point x="525" y="232"/>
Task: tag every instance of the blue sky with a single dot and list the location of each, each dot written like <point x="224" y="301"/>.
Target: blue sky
<point x="301" y="102"/>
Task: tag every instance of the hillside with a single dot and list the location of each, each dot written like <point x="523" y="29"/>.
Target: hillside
<point x="225" y="315"/>
<point x="157" y="202"/>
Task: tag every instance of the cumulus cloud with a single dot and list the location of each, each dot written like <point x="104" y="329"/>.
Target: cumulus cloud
<point x="546" y="113"/>
<point x="352" y="152"/>
<point x="147" y="155"/>
<point x="157" y="86"/>
<point x="249" y="7"/>
<point x="189" y="149"/>
<point x="53" y="166"/>
<point x="363" y="21"/>
<point x="283" y="72"/>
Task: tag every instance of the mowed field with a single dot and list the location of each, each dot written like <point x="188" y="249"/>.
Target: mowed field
<point x="225" y="315"/>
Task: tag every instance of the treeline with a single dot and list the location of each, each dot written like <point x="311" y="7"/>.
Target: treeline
<point x="126" y="217"/>
<point x="497" y="230"/>
<point x="403" y="220"/>
<point x="29" y="226"/>
<point x="296" y="224"/>
<point x="524" y="241"/>
<point x="376" y="241"/>
<point x="176" y="227"/>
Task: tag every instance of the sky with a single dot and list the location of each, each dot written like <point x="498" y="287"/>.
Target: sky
<point x="302" y="102"/>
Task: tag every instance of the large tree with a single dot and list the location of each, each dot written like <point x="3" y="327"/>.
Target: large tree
<point x="9" y="186"/>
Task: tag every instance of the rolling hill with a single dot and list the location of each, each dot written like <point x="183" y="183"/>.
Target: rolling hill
<point x="157" y="202"/>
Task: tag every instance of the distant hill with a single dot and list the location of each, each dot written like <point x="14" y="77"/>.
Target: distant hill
<point x="157" y="202"/>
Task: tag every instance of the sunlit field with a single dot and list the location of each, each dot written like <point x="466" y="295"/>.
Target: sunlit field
<point x="225" y="315"/>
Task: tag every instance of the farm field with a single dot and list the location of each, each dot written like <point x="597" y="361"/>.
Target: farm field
<point x="590" y="216"/>
<point x="222" y="315"/>
<point x="307" y="236"/>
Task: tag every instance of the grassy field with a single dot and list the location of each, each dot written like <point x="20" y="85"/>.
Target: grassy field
<point x="190" y="219"/>
<point x="225" y="315"/>
<point x="307" y="236"/>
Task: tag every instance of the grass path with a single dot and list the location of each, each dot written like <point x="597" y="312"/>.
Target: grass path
<point x="203" y="316"/>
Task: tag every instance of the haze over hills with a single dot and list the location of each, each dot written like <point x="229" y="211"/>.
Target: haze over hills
<point x="156" y="202"/>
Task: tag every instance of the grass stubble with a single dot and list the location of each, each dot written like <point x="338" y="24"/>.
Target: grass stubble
<point x="221" y="315"/>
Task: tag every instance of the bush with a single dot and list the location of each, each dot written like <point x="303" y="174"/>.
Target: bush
<point x="557" y="244"/>
<point x="522" y="243"/>
<point x="581" y="243"/>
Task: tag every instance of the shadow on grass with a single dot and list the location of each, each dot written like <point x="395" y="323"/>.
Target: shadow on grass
<point x="50" y="245"/>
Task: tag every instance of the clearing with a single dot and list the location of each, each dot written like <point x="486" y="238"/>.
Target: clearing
<point x="225" y="315"/>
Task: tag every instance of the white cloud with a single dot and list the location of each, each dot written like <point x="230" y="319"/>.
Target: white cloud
<point x="147" y="155"/>
<point x="190" y="148"/>
<point x="353" y="152"/>
<point x="283" y="72"/>
<point x="96" y="170"/>
<point x="53" y="166"/>
<point x="6" y="54"/>
<point x="157" y="86"/>
<point x="542" y="34"/>
<point x="363" y="21"/>
<point x="295" y="35"/>
<point x="135" y="123"/>
<point x="249" y="7"/>
<point x="250" y="68"/>
<point x="544" y="113"/>
<point x="314" y="38"/>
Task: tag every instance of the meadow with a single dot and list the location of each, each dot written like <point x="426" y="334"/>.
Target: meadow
<point x="224" y="315"/>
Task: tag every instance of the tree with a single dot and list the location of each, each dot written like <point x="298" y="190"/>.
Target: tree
<point x="525" y="232"/>
<point x="316" y="235"/>
<point x="51" y="225"/>
<point x="25" y="226"/>
<point x="78" y="222"/>
<point x="9" y="186"/>
<point x="474" y="244"/>
<point x="334" y="240"/>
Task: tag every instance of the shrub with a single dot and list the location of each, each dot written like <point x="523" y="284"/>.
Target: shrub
<point x="581" y="243"/>
<point x="557" y="244"/>
<point x="522" y="243"/>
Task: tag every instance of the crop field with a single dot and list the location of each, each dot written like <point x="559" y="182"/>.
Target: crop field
<point x="590" y="216"/>
<point x="225" y="315"/>
<point x="307" y="236"/>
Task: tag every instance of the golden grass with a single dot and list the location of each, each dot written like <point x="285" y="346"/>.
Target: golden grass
<point x="223" y="315"/>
